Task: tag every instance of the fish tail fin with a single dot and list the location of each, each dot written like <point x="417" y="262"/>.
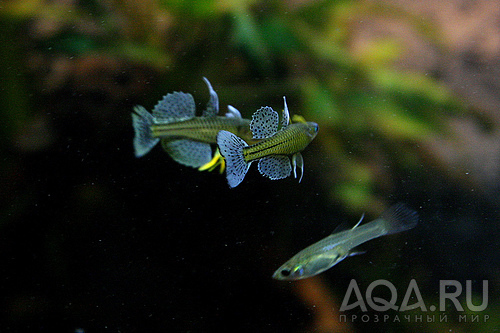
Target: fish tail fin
<point x="231" y="147"/>
<point x="399" y="218"/>
<point x="143" y="140"/>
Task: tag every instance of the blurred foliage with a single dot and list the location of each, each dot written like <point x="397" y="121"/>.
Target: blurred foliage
<point x="372" y="116"/>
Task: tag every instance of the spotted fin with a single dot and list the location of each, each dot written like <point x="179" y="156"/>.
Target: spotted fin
<point x="143" y="140"/>
<point x="231" y="147"/>
<point x="175" y="106"/>
<point x="264" y="123"/>
<point x="275" y="167"/>
<point x="187" y="152"/>
<point x="213" y="103"/>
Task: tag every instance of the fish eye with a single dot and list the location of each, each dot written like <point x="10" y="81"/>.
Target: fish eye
<point x="316" y="128"/>
<point x="285" y="272"/>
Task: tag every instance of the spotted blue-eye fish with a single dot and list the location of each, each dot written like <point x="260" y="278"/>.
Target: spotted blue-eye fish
<point x="274" y="150"/>
<point x="187" y="138"/>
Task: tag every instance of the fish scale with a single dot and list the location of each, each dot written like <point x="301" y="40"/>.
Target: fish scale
<point x="203" y="129"/>
<point x="287" y="141"/>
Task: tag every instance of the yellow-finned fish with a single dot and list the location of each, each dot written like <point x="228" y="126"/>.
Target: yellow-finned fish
<point x="329" y="251"/>
<point x="184" y="136"/>
<point x="272" y="151"/>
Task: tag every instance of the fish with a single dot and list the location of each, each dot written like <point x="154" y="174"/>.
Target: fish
<point x="332" y="249"/>
<point x="187" y="138"/>
<point x="272" y="152"/>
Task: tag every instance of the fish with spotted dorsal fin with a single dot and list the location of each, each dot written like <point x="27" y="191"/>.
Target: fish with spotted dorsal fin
<point x="274" y="149"/>
<point x="184" y="136"/>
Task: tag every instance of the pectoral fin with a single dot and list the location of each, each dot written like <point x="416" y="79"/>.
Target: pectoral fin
<point x="298" y="161"/>
<point x="355" y="252"/>
<point x="275" y="167"/>
<point x="187" y="152"/>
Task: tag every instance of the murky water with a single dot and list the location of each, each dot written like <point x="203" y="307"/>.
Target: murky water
<point x="95" y="239"/>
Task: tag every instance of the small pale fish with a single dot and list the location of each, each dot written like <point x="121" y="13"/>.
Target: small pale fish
<point x="274" y="149"/>
<point x="329" y="251"/>
<point x="184" y="136"/>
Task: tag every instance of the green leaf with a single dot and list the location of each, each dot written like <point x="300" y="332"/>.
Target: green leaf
<point x="319" y="102"/>
<point x="248" y="36"/>
<point x="142" y="53"/>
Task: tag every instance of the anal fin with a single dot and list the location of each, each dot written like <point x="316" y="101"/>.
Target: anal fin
<point x="187" y="152"/>
<point x="275" y="167"/>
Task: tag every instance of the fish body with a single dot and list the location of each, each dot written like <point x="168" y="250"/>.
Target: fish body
<point x="332" y="249"/>
<point x="185" y="137"/>
<point x="202" y="129"/>
<point x="274" y="149"/>
<point x="288" y="141"/>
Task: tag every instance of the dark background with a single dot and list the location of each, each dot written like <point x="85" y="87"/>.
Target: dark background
<point x="93" y="239"/>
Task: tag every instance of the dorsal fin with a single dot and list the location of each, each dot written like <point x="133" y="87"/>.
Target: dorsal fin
<point x="361" y="219"/>
<point x="341" y="227"/>
<point x="264" y="123"/>
<point x="344" y="225"/>
<point x="175" y="106"/>
<point x="213" y="102"/>
<point x="232" y="112"/>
